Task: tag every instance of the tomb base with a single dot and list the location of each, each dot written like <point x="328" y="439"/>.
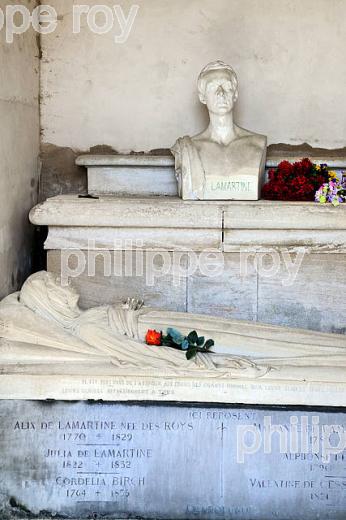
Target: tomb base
<point x="145" y="460"/>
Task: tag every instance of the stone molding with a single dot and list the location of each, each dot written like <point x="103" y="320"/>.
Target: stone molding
<point x="173" y="224"/>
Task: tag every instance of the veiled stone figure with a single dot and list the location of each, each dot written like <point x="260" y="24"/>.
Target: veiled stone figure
<point x="46" y="313"/>
<point x="225" y="161"/>
<point x="43" y="325"/>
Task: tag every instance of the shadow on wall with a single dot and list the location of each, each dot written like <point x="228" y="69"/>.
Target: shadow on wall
<point x="39" y="254"/>
<point x="59" y="173"/>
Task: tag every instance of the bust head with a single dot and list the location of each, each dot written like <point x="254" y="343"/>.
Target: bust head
<point x="218" y="87"/>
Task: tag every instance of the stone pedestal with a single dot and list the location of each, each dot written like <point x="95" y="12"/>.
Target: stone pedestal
<point x="136" y="175"/>
<point x="146" y="175"/>
<point x="275" y="262"/>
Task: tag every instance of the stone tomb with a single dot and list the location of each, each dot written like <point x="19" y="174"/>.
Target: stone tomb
<point x="273" y="259"/>
<point x="93" y="460"/>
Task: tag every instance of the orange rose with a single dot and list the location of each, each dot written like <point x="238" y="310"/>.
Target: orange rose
<point x="153" y="338"/>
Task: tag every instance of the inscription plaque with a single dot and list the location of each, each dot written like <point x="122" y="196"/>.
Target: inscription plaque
<point x="81" y="460"/>
<point x="220" y="188"/>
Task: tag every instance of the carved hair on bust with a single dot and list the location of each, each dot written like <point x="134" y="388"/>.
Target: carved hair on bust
<point x="217" y="65"/>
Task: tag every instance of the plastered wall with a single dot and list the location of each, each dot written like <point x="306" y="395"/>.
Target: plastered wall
<point x="140" y="95"/>
<point x="19" y="148"/>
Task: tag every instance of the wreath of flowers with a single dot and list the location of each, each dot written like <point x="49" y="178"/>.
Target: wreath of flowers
<point x="296" y="182"/>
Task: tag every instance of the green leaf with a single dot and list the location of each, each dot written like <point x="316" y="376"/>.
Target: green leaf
<point x="191" y="353"/>
<point x="201" y="341"/>
<point x="167" y="341"/>
<point x="193" y="337"/>
<point x="208" y="344"/>
<point x="176" y="336"/>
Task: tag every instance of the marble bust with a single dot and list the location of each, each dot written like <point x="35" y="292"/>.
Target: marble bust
<point x="43" y="330"/>
<point x="225" y="162"/>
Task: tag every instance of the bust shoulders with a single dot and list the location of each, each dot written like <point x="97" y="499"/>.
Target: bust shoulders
<point x="256" y="139"/>
<point x="243" y="137"/>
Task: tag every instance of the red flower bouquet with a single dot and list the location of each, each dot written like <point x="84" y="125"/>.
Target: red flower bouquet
<point x="295" y="182"/>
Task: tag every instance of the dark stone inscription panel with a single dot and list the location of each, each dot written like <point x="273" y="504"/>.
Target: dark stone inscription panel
<point x="80" y="460"/>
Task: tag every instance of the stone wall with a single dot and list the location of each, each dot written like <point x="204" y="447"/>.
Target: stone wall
<point x="19" y="148"/>
<point x="141" y="94"/>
